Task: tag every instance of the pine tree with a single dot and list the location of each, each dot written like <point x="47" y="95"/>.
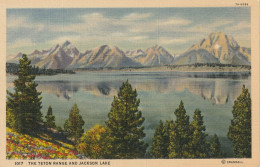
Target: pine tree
<point x="199" y="146"/>
<point x="240" y="129"/>
<point x="160" y="141"/>
<point x="180" y="135"/>
<point x="67" y="129"/>
<point x="215" y="148"/>
<point x="73" y="126"/>
<point x="125" y="125"/>
<point x="24" y="105"/>
<point x="50" y="119"/>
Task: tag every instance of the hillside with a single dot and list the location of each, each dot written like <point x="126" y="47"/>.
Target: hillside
<point x="22" y="146"/>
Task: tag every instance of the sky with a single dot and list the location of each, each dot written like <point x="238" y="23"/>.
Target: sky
<point x="176" y="29"/>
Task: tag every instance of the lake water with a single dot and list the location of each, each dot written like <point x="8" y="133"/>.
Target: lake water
<point x="159" y="92"/>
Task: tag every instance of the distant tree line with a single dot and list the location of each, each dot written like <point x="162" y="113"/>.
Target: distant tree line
<point x="13" y="68"/>
<point x="122" y="135"/>
<point x="108" y="68"/>
<point x="210" y="65"/>
<point x="248" y="67"/>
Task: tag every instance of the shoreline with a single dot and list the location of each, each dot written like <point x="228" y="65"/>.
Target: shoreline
<point x="176" y="69"/>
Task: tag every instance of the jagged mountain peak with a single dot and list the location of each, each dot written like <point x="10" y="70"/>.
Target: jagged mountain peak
<point x="139" y="50"/>
<point x="135" y="54"/>
<point x="154" y="56"/>
<point x="219" y="38"/>
<point x="36" y="51"/>
<point x="103" y="56"/>
<point x="102" y="48"/>
<point x="131" y="52"/>
<point x="218" y="47"/>
<point x="155" y="47"/>
<point x="66" y="43"/>
<point x="107" y="48"/>
<point x="56" y="47"/>
<point x="213" y="34"/>
<point x="19" y="54"/>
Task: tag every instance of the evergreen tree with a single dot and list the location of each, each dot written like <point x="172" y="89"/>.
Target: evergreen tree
<point x="240" y="128"/>
<point x="50" y="119"/>
<point x="199" y="146"/>
<point x="24" y="105"/>
<point x="67" y="130"/>
<point x="180" y="135"/>
<point x="215" y="147"/>
<point x="125" y="125"/>
<point x="160" y="141"/>
<point x="73" y="126"/>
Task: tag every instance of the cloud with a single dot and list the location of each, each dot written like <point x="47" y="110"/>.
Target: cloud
<point x="128" y="30"/>
<point x="142" y="28"/>
<point x="167" y="41"/>
<point x="220" y="22"/>
<point x="97" y="23"/>
<point x="15" y="21"/>
<point x="210" y="27"/>
<point x="177" y="41"/>
<point x="19" y="43"/>
<point x="90" y="23"/>
<point x="23" y="22"/>
<point x="170" y="24"/>
<point x="175" y="21"/>
<point x="239" y="26"/>
<point x="138" y="38"/>
<point x="136" y="16"/>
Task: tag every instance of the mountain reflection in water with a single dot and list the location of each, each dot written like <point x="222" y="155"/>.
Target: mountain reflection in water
<point x="159" y="92"/>
<point x="218" y="91"/>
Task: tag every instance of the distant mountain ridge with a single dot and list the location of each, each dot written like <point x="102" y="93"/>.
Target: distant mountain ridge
<point x="57" y="57"/>
<point x="216" y="48"/>
<point x="103" y="56"/>
<point x="153" y="56"/>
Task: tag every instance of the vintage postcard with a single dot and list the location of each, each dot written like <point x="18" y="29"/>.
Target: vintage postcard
<point x="129" y="83"/>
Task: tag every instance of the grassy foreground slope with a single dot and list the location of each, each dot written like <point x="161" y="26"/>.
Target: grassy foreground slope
<point x="22" y="146"/>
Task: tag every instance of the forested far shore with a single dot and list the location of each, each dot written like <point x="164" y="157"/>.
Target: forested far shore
<point x="197" y="67"/>
<point x="12" y="68"/>
<point x="223" y="69"/>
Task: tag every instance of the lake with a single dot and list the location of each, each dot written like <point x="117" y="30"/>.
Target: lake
<point x="160" y="94"/>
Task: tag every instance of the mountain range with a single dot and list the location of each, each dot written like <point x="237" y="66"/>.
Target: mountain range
<point x="216" y="48"/>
